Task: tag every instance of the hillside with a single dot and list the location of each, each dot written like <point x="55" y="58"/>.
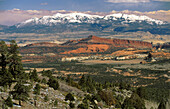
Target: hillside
<point x="42" y="44"/>
<point x="91" y="44"/>
<point x="94" y="44"/>
<point x="113" y="42"/>
<point x="74" y="84"/>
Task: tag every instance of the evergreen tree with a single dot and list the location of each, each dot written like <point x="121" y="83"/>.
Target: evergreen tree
<point x="6" y="79"/>
<point x="15" y="65"/>
<point x="34" y="75"/>
<point x="107" y="96"/>
<point x="150" y="55"/>
<point x="37" y="89"/>
<point x="162" y="104"/>
<point x="52" y="82"/>
<point x="134" y="102"/>
<point x="4" y="57"/>
<point x="47" y="73"/>
<point x="72" y="105"/>
<point x="5" y="75"/>
<point x="46" y="98"/>
<point x="56" y="102"/>
<point x="20" y="92"/>
<point x="12" y="71"/>
<point x="44" y="81"/>
<point x="68" y="80"/>
<point x="82" y="106"/>
<point x="141" y="92"/>
<point x="69" y="97"/>
<point x="9" y="102"/>
<point x="89" y="80"/>
<point x="82" y="81"/>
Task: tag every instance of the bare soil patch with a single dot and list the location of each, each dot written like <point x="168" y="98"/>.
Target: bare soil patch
<point x="90" y="62"/>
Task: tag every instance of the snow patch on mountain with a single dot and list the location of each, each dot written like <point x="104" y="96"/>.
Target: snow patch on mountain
<point x="133" y="18"/>
<point x="86" y="18"/>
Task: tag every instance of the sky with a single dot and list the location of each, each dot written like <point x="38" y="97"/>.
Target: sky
<point x="86" y="5"/>
<point x="16" y="11"/>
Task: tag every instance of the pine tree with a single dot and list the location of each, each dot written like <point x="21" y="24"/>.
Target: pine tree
<point x="4" y="57"/>
<point x="15" y="66"/>
<point x="34" y="75"/>
<point x="69" y="97"/>
<point x="82" y="81"/>
<point x="56" y="102"/>
<point x="12" y="71"/>
<point x="6" y="79"/>
<point x="72" y="105"/>
<point x="52" y="82"/>
<point x="68" y="80"/>
<point x="46" y="98"/>
<point x="134" y="102"/>
<point x="162" y="104"/>
<point x="5" y="76"/>
<point x="20" y="92"/>
<point x="9" y="102"/>
<point x="44" y="81"/>
<point x="37" y="89"/>
<point x="141" y="92"/>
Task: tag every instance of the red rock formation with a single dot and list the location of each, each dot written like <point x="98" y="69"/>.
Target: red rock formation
<point x="94" y="48"/>
<point x="92" y="44"/>
<point x="114" y="42"/>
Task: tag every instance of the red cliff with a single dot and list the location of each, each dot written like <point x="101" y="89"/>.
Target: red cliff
<point x="114" y="42"/>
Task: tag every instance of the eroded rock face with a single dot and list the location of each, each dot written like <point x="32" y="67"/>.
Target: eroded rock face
<point x="92" y="44"/>
<point x="94" y="48"/>
<point x="131" y="43"/>
<point x="113" y="42"/>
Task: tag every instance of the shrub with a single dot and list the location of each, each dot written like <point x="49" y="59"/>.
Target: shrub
<point x="69" y="97"/>
<point x="56" y="102"/>
<point x="53" y="83"/>
<point x="82" y="106"/>
<point x="46" y="98"/>
<point x="37" y="89"/>
<point x="9" y="102"/>
<point x="72" y="105"/>
<point x="44" y="81"/>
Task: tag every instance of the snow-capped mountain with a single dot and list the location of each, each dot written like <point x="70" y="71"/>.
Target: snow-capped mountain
<point x="76" y="22"/>
<point x="86" y="18"/>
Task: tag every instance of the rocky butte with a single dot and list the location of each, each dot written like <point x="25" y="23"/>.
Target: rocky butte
<point x="97" y="44"/>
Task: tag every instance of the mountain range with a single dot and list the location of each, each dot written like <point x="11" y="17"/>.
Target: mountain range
<point x="72" y="22"/>
<point x="86" y="18"/>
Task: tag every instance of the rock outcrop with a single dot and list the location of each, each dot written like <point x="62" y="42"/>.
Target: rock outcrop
<point x="113" y="42"/>
<point x="94" y="48"/>
<point x="91" y="44"/>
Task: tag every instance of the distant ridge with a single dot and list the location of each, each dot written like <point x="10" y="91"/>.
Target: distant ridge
<point x="91" y="44"/>
<point x="112" y="42"/>
<point x="76" y="22"/>
<point x="42" y="44"/>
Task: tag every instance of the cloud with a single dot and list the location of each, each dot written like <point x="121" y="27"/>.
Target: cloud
<point x="134" y="1"/>
<point x="16" y="9"/>
<point x="11" y="17"/>
<point x="127" y="1"/>
<point x="162" y="0"/>
<point x="44" y="4"/>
